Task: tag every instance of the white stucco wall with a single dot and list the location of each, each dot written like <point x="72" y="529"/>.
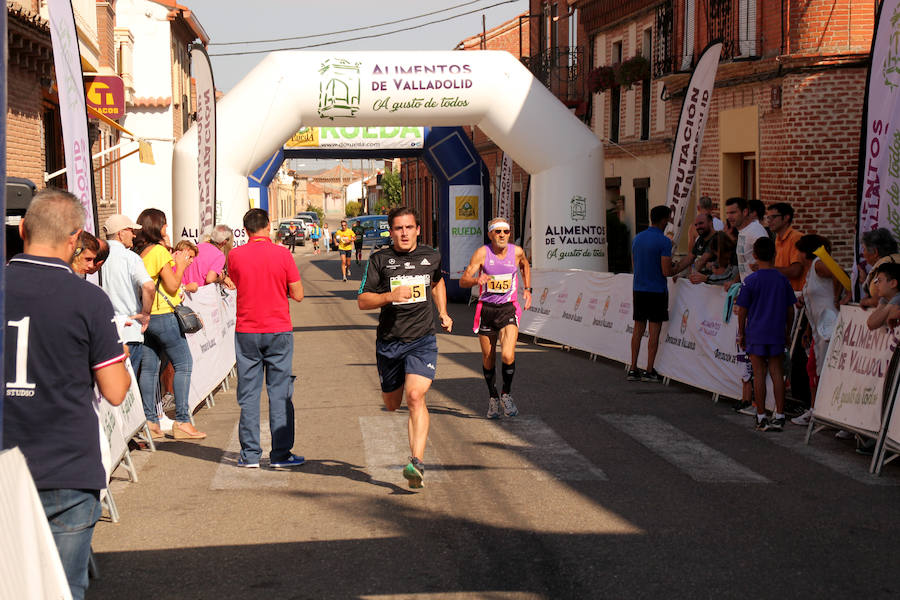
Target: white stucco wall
<point x="148" y="186"/>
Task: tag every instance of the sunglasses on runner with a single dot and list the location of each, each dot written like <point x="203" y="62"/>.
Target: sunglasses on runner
<point x="502" y="231"/>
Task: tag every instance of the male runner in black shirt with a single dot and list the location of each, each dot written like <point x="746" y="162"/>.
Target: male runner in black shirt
<point x="402" y="281"/>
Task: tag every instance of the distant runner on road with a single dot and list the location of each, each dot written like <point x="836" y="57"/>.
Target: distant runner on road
<point x="495" y="269"/>
<point x="403" y="281"/>
<point x="345" y="238"/>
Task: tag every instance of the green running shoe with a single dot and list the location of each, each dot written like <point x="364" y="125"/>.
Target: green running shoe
<point x="414" y="472"/>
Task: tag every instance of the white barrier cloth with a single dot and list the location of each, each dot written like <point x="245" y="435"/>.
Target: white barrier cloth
<point x="29" y="563"/>
<point x="212" y="348"/>
<point x="592" y="312"/>
<point x="852" y="382"/>
<point x="699" y="348"/>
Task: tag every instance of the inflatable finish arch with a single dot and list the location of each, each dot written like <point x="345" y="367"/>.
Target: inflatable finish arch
<point x="489" y="89"/>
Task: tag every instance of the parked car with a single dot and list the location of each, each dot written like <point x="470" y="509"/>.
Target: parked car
<point x="375" y="229"/>
<point x="284" y="228"/>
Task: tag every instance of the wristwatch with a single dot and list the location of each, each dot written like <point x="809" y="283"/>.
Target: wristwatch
<point x="527" y="289"/>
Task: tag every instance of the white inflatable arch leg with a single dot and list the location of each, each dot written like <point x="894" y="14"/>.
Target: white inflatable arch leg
<point x="489" y="89"/>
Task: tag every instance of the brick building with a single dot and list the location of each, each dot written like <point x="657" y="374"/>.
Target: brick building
<point x="786" y="109"/>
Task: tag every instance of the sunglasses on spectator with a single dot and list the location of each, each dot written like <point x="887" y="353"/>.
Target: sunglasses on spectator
<point x="502" y="231"/>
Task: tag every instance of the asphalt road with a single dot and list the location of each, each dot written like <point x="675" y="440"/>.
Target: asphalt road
<point x="599" y="489"/>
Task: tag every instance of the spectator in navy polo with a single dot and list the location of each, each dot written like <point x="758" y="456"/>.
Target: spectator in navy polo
<point x="651" y="253"/>
<point x="59" y="341"/>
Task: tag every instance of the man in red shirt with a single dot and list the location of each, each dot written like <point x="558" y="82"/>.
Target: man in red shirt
<point x="265" y="276"/>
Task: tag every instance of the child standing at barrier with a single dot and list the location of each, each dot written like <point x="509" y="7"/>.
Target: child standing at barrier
<point x="885" y="283"/>
<point x="765" y="310"/>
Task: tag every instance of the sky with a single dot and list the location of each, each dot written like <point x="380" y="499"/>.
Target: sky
<point x="237" y="21"/>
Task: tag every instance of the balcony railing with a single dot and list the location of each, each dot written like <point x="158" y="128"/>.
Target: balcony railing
<point x="561" y="70"/>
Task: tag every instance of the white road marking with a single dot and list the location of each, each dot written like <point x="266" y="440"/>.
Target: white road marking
<point x="846" y="463"/>
<point x="699" y="461"/>
<point x="386" y="443"/>
<point x="229" y="476"/>
<point x="550" y="455"/>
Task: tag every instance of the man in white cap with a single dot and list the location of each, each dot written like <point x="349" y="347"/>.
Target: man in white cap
<point x="129" y="287"/>
<point x="495" y="268"/>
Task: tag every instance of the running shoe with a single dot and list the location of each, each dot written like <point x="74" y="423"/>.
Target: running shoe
<point x="634" y="375"/>
<point x="414" y="472"/>
<point x="762" y="425"/>
<point x="748" y="410"/>
<point x="651" y="376"/>
<point x="345" y="279"/>
<point x="509" y="407"/>
<point x="493" y="408"/>
<point x="246" y="464"/>
<point x="776" y="424"/>
<point x="291" y="461"/>
<point x="803" y="419"/>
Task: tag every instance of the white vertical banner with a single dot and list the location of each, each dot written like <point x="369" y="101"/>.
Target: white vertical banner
<point x="206" y="134"/>
<point x="72" y="107"/>
<point x="504" y="192"/>
<point x="878" y="182"/>
<point x="466" y="235"/>
<point x="694" y="112"/>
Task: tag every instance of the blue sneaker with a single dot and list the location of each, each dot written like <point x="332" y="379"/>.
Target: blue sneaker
<point x="247" y="464"/>
<point x="292" y="461"/>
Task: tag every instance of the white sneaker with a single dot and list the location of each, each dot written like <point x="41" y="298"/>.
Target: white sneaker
<point x="493" y="408"/>
<point x="803" y="419"/>
<point x="748" y="410"/>
<point x="509" y="407"/>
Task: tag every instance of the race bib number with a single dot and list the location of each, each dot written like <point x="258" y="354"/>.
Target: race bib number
<point x="500" y="284"/>
<point x="417" y="283"/>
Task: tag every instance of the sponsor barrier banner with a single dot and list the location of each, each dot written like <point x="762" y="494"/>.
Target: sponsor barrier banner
<point x="592" y="312"/>
<point x="586" y="310"/>
<point x="72" y="107"/>
<point x="465" y="226"/>
<point x="698" y="347"/>
<point x="851" y="386"/>
<point x="212" y="348"/>
<point x="206" y="135"/>
<point x="878" y="182"/>
<point x="694" y="112"/>
<point x="29" y="563"/>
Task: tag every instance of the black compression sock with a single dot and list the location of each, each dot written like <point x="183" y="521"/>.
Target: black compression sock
<point x="489" y="376"/>
<point x="507" y="373"/>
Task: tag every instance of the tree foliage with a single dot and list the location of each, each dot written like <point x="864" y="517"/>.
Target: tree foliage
<point x="353" y="209"/>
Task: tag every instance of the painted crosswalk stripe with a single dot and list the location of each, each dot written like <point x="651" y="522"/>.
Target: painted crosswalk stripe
<point x="549" y="455"/>
<point x="699" y="461"/>
<point x="794" y="439"/>
<point x="386" y="444"/>
<point x="229" y="476"/>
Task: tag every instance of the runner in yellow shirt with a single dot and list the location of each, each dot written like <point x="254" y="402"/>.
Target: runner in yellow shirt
<point x="345" y="238"/>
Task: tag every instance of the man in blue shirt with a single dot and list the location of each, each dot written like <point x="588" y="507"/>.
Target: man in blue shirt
<point x="59" y="341"/>
<point x="651" y="255"/>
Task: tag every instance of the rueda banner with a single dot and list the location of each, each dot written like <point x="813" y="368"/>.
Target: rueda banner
<point x="29" y="562"/>
<point x="212" y="348"/>
<point x="686" y="152"/>
<point x="206" y="135"/>
<point x="358" y="138"/>
<point x="466" y="234"/>
<point x="851" y="386"/>
<point x="72" y="107"/>
<point x="878" y="181"/>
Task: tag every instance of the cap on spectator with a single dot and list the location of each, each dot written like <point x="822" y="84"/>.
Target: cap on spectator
<point x="117" y="223"/>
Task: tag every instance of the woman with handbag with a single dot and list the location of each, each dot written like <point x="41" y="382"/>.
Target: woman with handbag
<point x="164" y="334"/>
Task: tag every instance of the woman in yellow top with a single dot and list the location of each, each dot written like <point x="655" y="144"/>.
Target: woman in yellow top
<point x="163" y="333"/>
